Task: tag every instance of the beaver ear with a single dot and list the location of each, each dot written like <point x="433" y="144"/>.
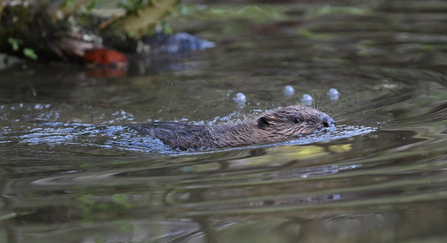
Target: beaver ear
<point x="263" y="121"/>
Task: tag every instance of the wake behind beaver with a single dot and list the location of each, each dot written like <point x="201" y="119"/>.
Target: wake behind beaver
<point x="272" y="126"/>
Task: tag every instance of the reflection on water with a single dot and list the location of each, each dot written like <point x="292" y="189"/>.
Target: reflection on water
<point x="72" y="171"/>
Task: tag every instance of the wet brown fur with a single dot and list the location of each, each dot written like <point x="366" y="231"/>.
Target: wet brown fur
<point x="272" y="126"/>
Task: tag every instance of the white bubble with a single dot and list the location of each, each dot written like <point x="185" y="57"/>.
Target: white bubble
<point x="306" y="100"/>
<point x="240" y="98"/>
<point x="288" y="90"/>
<point x="333" y="94"/>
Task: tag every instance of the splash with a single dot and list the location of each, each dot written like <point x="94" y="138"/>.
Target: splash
<point x="123" y="137"/>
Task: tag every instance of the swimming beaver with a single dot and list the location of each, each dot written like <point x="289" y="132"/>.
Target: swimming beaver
<point x="271" y="126"/>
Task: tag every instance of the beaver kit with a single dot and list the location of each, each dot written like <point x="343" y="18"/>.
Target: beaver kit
<point x="272" y="126"/>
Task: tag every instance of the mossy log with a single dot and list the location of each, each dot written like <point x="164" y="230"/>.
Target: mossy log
<point x="66" y="30"/>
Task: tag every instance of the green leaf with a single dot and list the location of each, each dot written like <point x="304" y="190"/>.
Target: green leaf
<point x="15" y="43"/>
<point x="28" y="52"/>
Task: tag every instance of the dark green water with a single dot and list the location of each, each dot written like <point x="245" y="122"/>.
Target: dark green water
<point x="71" y="172"/>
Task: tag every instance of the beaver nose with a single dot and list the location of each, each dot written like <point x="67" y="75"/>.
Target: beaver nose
<point x="327" y="121"/>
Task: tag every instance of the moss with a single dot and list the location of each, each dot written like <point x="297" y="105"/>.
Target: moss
<point x="24" y="31"/>
<point x="330" y="10"/>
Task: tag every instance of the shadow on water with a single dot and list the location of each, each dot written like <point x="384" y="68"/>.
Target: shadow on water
<point x="72" y="171"/>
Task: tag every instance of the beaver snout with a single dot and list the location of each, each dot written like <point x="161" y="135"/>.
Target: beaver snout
<point x="327" y="121"/>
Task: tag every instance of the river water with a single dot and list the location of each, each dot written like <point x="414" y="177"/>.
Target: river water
<point x="71" y="171"/>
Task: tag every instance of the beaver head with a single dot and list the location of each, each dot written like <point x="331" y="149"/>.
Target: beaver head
<point x="291" y="121"/>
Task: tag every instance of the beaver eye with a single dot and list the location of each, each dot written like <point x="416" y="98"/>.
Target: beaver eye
<point x="297" y="120"/>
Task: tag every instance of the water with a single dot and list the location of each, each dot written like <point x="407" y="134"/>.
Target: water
<point x="71" y="171"/>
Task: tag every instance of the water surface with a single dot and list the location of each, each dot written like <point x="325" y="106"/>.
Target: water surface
<point x="71" y="171"/>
